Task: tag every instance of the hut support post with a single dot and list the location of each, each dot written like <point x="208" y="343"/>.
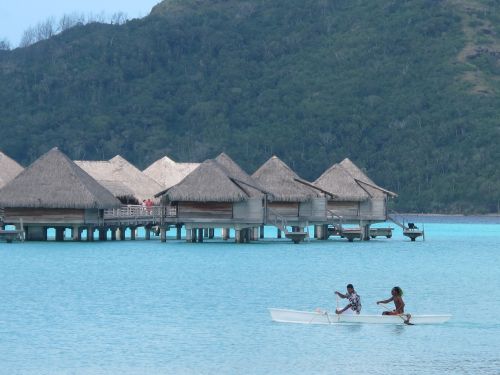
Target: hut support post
<point x="90" y="233"/>
<point x="321" y="232"/>
<point x="113" y="233"/>
<point x="60" y="233"/>
<point x="133" y="233"/>
<point x="200" y="235"/>
<point x="122" y="233"/>
<point x="103" y="234"/>
<point x="279" y="233"/>
<point x="178" y="228"/>
<point x="316" y="231"/>
<point x="211" y="233"/>
<point x="189" y="235"/>
<point x="238" y="236"/>
<point x="147" y="228"/>
<point x="261" y="235"/>
<point x="163" y="234"/>
<point x="225" y="233"/>
<point x="205" y="232"/>
<point x="365" y="230"/>
<point x="76" y="233"/>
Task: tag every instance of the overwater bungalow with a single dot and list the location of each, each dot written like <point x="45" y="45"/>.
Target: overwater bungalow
<point x="9" y="169"/>
<point x="357" y="199"/>
<point x="375" y="208"/>
<point x="123" y="179"/>
<point x="217" y="194"/>
<point x="168" y="173"/>
<point x="54" y="192"/>
<point x="291" y="201"/>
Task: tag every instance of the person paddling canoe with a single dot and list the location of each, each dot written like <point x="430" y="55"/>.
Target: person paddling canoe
<point x="354" y="301"/>
<point x="397" y="298"/>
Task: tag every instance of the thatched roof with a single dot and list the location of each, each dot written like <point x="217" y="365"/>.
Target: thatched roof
<point x="121" y="177"/>
<point x="9" y="169"/>
<point x="239" y="176"/>
<point x="339" y="182"/>
<point x="168" y="173"/>
<point x="207" y="183"/>
<point x="54" y="181"/>
<point x="365" y="182"/>
<point x="278" y="179"/>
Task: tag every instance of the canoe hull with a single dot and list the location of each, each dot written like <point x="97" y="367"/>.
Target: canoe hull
<point x="313" y="317"/>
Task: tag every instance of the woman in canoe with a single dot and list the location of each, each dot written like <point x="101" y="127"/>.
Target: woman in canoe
<point x="397" y="298"/>
<point x="354" y="305"/>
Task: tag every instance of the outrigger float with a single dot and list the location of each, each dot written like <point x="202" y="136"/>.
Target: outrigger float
<point x="325" y="317"/>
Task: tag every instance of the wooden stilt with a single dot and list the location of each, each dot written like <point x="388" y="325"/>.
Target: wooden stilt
<point x="200" y="235"/>
<point x="279" y="233"/>
<point x="189" y="234"/>
<point x="147" y="228"/>
<point x="261" y="232"/>
<point x="103" y="234"/>
<point x="178" y="234"/>
<point x="74" y="233"/>
<point x="133" y="233"/>
<point x="60" y="233"/>
<point x="90" y="233"/>
<point x="122" y="233"/>
<point x="238" y="236"/>
<point x="211" y="233"/>
<point x="163" y="234"/>
<point x="113" y="233"/>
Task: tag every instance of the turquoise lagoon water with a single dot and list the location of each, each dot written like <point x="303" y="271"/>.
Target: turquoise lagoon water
<point x="147" y="307"/>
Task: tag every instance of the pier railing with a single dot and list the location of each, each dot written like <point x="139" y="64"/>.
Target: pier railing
<point x="154" y="213"/>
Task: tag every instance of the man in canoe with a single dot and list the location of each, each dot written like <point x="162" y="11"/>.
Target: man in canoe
<point x="397" y="298"/>
<point x="354" y="305"/>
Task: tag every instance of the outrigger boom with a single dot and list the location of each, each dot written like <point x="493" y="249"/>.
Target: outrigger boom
<point x="325" y="317"/>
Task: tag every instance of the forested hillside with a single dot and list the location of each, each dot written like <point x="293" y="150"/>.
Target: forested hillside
<point x="409" y="90"/>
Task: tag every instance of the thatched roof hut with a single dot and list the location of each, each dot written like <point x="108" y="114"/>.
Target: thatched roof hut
<point x="122" y="178"/>
<point x="364" y="181"/>
<point x="168" y="173"/>
<point x="209" y="182"/>
<point x="239" y="176"/>
<point x="284" y="184"/>
<point x="339" y="182"/>
<point x="54" y="181"/>
<point x="9" y="169"/>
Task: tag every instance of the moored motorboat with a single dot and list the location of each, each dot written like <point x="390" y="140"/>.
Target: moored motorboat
<point x="325" y="317"/>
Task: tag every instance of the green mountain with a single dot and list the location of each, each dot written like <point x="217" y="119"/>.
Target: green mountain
<point x="408" y="89"/>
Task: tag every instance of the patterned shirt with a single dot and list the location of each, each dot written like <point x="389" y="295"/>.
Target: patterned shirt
<point x="355" y="301"/>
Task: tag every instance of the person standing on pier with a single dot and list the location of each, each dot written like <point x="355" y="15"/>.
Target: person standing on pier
<point x="354" y="305"/>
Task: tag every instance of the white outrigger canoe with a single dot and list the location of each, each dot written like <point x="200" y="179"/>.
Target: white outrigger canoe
<point x="325" y="317"/>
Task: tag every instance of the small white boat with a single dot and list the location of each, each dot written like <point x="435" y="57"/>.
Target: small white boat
<point x="325" y="317"/>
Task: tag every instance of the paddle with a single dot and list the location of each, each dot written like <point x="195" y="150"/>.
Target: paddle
<point x="405" y="321"/>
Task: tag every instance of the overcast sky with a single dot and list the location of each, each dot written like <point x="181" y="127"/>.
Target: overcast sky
<point x="17" y="15"/>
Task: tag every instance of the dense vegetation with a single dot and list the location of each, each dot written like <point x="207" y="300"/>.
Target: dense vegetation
<point x="408" y="89"/>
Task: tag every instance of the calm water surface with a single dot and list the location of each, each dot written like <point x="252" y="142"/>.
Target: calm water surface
<point x="150" y="308"/>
